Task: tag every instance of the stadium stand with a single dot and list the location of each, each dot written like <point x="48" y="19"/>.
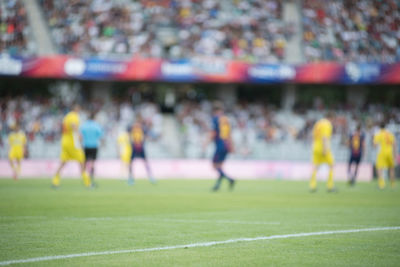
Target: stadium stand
<point x="15" y="33"/>
<point x="362" y="31"/>
<point x="259" y="131"/>
<point x="247" y="30"/>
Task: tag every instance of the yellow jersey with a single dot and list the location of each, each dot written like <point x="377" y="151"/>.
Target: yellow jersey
<point x="123" y="140"/>
<point x="70" y="126"/>
<point x="385" y="140"/>
<point x="137" y="135"/>
<point x="124" y="145"/>
<point x="322" y="129"/>
<point x="17" y="140"/>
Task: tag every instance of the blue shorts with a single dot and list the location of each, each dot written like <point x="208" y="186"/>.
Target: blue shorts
<point x="138" y="153"/>
<point x="220" y="155"/>
<point x="355" y="159"/>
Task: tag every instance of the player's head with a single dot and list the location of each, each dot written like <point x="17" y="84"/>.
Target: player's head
<point x="92" y="115"/>
<point x="358" y="128"/>
<point x="138" y="119"/>
<point x="382" y="124"/>
<point x="330" y="115"/>
<point x="76" y="107"/>
<point x="218" y="108"/>
<point x="15" y="126"/>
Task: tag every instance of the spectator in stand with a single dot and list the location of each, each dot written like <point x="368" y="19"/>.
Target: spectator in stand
<point x="14" y="29"/>
<point x="247" y="30"/>
<point x="343" y="30"/>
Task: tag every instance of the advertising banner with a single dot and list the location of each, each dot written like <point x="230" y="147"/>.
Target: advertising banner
<point x="198" y="69"/>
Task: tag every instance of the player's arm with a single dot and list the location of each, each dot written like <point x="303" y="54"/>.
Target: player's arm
<point x="376" y="140"/>
<point x="209" y="139"/>
<point x="348" y="142"/>
<point x="231" y="145"/>
<point x="326" y="145"/>
<point x="25" y="146"/>
<point x="394" y="150"/>
<point x="364" y="147"/>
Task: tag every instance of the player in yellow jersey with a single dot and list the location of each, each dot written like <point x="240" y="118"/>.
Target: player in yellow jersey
<point x="17" y="142"/>
<point x="321" y="151"/>
<point x="71" y="148"/>
<point x="124" y="150"/>
<point x="385" y="158"/>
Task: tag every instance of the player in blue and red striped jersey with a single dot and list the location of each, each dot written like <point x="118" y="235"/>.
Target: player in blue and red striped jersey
<point x="221" y="135"/>
<point x="137" y="137"/>
<point x="356" y="144"/>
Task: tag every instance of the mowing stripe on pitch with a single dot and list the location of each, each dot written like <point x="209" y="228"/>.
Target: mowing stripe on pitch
<point x="200" y="244"/>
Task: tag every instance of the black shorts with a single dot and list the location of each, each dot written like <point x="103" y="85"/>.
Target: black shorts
<point x="91" y="153"/>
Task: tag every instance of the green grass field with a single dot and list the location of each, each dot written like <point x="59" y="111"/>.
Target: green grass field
<point x="37" y="221"/>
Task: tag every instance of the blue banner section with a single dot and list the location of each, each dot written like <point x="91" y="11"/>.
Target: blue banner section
<point x="177" y="71"/>
<point x="272" y="73"/>
<point x="204" y="69"/>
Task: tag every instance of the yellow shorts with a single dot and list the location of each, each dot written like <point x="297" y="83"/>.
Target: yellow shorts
<point x="72" y="153"/>
<point x="16" y="153"/>
<point x="385" y="161"/>
<point x="319" y="158"/>
<point x="126" y="155"/>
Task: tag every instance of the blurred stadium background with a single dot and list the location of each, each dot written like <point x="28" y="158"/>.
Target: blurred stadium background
<point x="277" y="65"/>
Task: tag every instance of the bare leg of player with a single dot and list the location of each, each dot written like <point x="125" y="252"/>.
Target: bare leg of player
<point x="149" y="173"/>
<point x="381" y="180"/>
<point x="131" y="181"/>
<point x="222" y="175"/>
<point x="330" y="185"/>
<point x="90" y="168"/>
<point x="15" y="177"/>
<point x="313" y="180"/>
<point x="55" y="182"/>
<point x="85" y="176"/>
<point x="349" y="174"/>
<point x="392" y="177"/>
<point x="354" y="177"/>
<point x="18" y="168"/>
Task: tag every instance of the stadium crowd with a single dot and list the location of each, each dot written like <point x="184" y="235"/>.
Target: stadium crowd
<point x="253" y="124"/>
<point x="247" y="30"/>
<point x="14" y="29"/>
<point x="41" y="118"/>
<point x="253" y="31"/>
<point x="341" y="30"/>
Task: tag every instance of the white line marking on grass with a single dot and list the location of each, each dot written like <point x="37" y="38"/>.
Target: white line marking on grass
<point x="216" y="221"/>
<point x="194" y="245"/>
<point x="138" y="219"/>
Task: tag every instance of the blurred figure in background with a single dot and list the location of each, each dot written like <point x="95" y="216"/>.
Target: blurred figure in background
<point x="356" y="144"/>
<point x="386" y="143"/>
<point x="92" y="134"/>
<point x="124" y="150"/>
<point x="138" y="133"/>
<point x="221" y="135"/>
<point x="71" y="148"/>
<point x="17" y="143"/>
<point x="321" y="149"/>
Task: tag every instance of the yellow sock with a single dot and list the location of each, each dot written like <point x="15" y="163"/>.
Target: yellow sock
<point x="56" y="180"/>
<point x="330" y="184"/>
<point x="392" y="183"/>
<point x="18" y="169"/>
<point x="86" y="179"/>
<point x="381" y="182"/>
<point x="313" y="181"/>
